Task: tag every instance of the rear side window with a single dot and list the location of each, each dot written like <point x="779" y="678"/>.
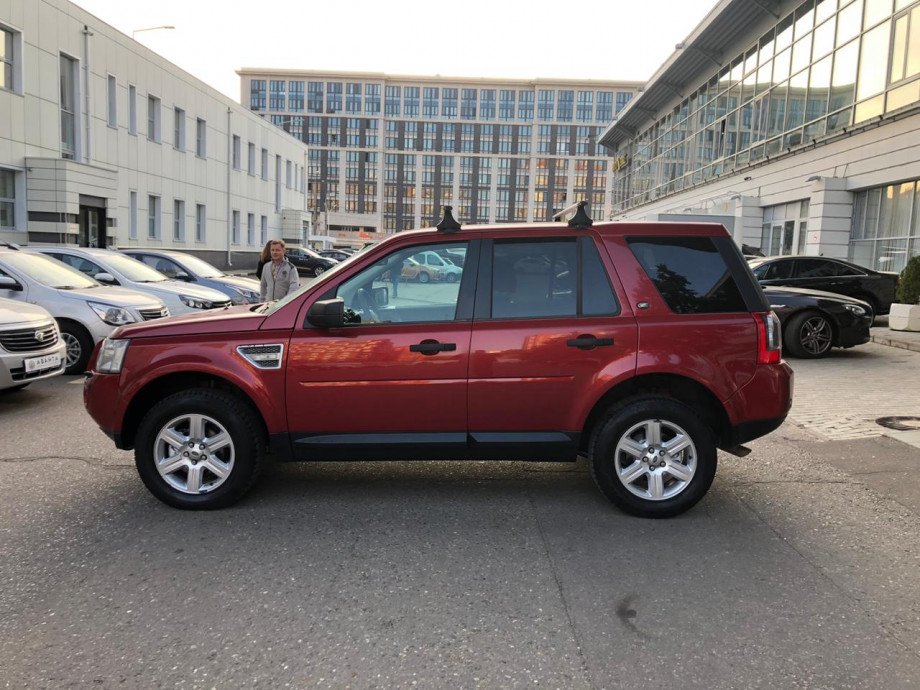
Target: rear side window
<point x="690" y="274"/>
<point x="816" y="268"/>
<point x="776" y="270"/>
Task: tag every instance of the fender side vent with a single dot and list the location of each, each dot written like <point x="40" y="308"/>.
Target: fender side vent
<point x="263" y="356"/>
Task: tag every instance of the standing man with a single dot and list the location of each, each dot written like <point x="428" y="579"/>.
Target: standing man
<point x="279" y="276"/>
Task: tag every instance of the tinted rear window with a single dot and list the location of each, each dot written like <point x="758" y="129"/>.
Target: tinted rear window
<point x="690" y="274"/>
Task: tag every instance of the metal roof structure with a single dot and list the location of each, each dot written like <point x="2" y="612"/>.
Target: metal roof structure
<point x="702" y="51"/>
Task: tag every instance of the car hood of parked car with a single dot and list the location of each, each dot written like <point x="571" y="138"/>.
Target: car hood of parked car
<point x="13" y="312"/>
<point x="239" y="282"/>
<point x="179" y="287"/>
<point x="117" y="296"/>
<point x="778" y="292"/>
<point x="224" y="320"/>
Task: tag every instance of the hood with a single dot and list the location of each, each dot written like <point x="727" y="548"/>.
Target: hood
<point x="13" y="312"/>
<point x="179" y="287"/>
<point x="779" y="292"/>
<point x="116" y="296"/>
<point x="239" y="282"/>
<point x="210" y="321"/>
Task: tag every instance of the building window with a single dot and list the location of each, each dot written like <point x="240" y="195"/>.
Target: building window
<point x="295" y="95"/>
<point x="276" y="94"/>
<point x="264" y="164"/>
<point x="132" y="109"/>
<point x="132" y="216"/>
<point x="153" y="217"/>
<point x="179" y="129"/>
<point x="153" y="118"/>
<point x="257" y="94"/>
<point x="287" y="175"/>
<point x="201" y="222"/>
<point x="235" y="228"/>
<point x="236" y="152"/>
<point x="68" y="107"/>
<point x="10" y="52"/>
<point x="277" y="183"/>
<point x="179" y="220"/>
<point x="201" y="138"/>
<point x="263" y="236"/>
<point x="252" y="158"/>
<point x="250" y="228"/>
<point x="7" y="200"/>
<point x="112" y="94"/>
<point x="372" y="99"/>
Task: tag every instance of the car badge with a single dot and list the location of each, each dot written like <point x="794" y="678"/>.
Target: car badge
<point x="41" y="336"/>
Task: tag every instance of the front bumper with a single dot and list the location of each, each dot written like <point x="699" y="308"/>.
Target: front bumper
<point x="102" y="401"/>
<point x="13" y="369"/>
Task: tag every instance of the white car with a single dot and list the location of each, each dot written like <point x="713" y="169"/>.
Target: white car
<point x="85" y="311"/>
<point x="30" y="345"/>
<point x="114" y="268"/>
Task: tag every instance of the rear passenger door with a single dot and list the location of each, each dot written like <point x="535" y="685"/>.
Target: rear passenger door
<point x="549" y="334"/>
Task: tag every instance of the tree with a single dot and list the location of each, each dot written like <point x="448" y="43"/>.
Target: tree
<point x="909" y="283"/>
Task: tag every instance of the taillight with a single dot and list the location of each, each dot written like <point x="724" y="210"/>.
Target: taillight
<point x="769" y="339"/>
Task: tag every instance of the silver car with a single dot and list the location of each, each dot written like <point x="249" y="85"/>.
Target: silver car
<point x="114" y="268"/>
<point x="191" y="269"/>
<point x="30" y="345"/>
<point x="86" y="312"/>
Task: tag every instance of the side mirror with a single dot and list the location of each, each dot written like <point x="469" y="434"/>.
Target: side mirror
<point x="182" y="275"/>
<point x="7" y="283"/>
<point x="381" y="296"/>
<point x="106" y="278"/>
<point x="327" y="313"/>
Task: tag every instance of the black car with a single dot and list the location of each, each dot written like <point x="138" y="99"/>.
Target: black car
<point x="336" y="254"/>
<point x="813" y="321"/>
<point x="830" y="275"/>
<point x="309" y="262"/>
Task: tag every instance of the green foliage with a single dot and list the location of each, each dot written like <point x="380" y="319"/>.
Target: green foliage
<point x="909" y="283"/>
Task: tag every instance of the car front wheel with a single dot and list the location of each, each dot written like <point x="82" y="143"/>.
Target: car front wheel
<point x="809" y="336"/>
<point x="652" y="457"/>
<point x="318" y="271"/>
<point x="199" y="449"/>
<point x="79" y="347"/>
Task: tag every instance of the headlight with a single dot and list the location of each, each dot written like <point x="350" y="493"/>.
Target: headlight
<point x="111" y="356"/>
<point x="244" y="296"/>
<point x="195" y="302"/>
<point x="114" y="316"/>
<point x="855" y="308"/>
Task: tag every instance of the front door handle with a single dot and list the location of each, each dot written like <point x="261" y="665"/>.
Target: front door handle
<point x="588" y="342"/>
<point x="431" y="347"/>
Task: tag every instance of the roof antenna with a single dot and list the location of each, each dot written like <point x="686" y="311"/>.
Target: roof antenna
<point x="448" y="223"/>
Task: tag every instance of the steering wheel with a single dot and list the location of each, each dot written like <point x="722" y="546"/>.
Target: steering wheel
<point x="364" y="303"/>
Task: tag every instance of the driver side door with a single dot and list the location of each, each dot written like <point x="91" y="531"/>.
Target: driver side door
<point x="392" y="382"/>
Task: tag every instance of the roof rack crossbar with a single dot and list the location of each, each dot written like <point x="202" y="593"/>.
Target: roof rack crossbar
<point x="448" y="223"/>
<point x="581" y="220"/>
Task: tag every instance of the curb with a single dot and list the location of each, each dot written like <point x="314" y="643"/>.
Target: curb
<point x="913" y="346"/>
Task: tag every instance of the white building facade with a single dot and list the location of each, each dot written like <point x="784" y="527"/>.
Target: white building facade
<point x="796" y="123"/>
<point x="105" y="143"/>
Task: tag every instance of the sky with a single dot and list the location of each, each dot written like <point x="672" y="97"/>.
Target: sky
<point x="518" y="39"/>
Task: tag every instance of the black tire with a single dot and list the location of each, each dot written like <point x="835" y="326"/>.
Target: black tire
<point x="240" y="423"/>
<point x="318" y="271"/>
<point x="79" y="347"/>
<point x="451" y="277"/>
<point x="677" y="495"/>
<point x="423" y="277"/>
<point x="809" y="335"/>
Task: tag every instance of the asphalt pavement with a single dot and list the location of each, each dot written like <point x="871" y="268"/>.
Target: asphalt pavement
<point x="796" y="570"/>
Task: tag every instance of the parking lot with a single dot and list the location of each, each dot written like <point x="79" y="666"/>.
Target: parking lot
<point x="792" y="572"/>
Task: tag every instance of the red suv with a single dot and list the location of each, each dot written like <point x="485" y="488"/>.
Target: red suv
<point x="643" y="346"/>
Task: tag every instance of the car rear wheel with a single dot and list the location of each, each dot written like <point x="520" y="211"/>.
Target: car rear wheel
<point x="318" y="271"/>
<point x="423" y="277"/>
<point x="652" y="456"/>
<point x="199" y="449"/>
<point x="809" y="335"/>
<point x="79" y="347"/>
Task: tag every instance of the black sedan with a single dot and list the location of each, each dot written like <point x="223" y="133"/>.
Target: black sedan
<point x="336" y="254"/>
<point x="307" y="262"/>
<point x="814" y="321"/>
<point x="830" y="275"/>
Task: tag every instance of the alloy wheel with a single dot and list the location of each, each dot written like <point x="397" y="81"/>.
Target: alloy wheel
<point x="74" y="348"/>
<point x="655" y="459"/>
<point x="194" y="453"/>
<point x="815" y="335"/>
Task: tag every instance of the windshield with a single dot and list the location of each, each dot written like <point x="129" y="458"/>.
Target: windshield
<point x="132" y="269"/>
<point x="48" y="272"/>
<point x="201" y="268"/>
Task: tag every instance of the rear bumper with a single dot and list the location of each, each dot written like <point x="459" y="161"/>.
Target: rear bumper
<point x="761" y="405"/>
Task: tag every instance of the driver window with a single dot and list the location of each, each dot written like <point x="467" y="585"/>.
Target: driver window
<point x="403" y="288"/>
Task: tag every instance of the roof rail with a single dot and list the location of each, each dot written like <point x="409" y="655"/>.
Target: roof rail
<point x="10" y="245"/>
<point x="448" y="223"/>
<point x="581" y="220"/>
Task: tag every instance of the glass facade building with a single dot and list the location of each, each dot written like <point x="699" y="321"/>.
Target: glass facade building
<point x="394" y="150"/>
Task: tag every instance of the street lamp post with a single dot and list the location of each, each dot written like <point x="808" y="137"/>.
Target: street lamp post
<point x="152" y="28"/>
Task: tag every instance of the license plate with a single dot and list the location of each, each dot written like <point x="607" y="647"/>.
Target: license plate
<point x="38" y="363"/>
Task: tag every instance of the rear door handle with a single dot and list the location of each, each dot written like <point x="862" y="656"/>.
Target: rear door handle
<point x="588" y="342"/>
<point x="431" y="347"/>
